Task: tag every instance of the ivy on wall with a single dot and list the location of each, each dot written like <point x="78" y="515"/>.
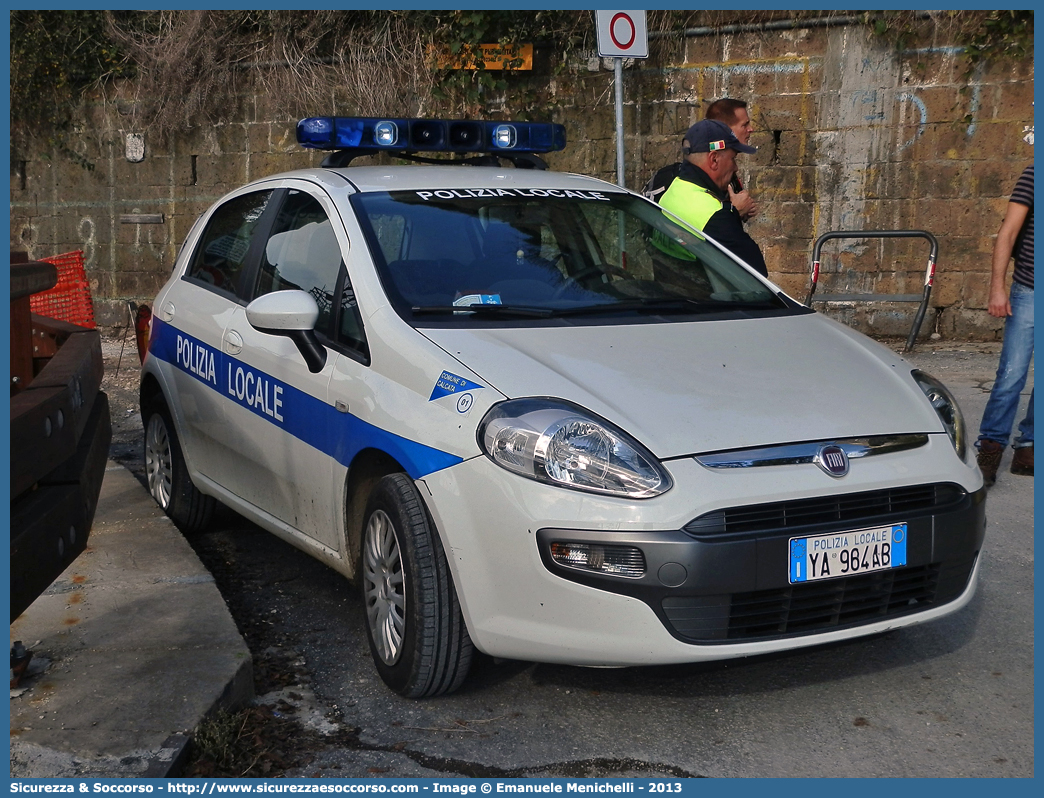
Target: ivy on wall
<point x="55" y="57"/>
<point x="1001" y="33"/>
<point x="984" y="35"/>
<point x="459" y="32"/>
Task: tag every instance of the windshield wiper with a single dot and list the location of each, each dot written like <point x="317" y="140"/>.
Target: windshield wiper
<point x="647" y="305"/>
<point x="666" y="305"/>
<point x="485" y="310"/>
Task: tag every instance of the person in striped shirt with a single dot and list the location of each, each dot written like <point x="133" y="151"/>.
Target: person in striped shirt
<point x="1015" y="239"/>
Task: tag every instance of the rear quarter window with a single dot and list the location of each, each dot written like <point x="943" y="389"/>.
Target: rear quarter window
<point x="222" y="251"/>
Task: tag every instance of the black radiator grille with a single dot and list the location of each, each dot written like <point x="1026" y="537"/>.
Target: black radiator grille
<point x="816" y="606"/>
<point x="846" y="508"/>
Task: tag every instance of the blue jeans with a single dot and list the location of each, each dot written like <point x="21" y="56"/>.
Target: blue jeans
<point x="1012" y="372"/>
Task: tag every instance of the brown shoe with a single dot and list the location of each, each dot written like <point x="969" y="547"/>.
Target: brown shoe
<point x="1022" y="462"/>
<point x="989" y="457"/>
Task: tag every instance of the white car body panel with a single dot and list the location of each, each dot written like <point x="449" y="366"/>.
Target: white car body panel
<point x="732" y="391"/>
<point x="274" y="469"/>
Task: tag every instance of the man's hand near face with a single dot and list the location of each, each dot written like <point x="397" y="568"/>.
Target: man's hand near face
<point x="744" y="204"/>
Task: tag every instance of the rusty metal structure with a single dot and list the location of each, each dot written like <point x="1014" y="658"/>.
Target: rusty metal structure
<point x="60" y="433"/>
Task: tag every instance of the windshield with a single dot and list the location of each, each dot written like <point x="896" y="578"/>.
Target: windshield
<point x="533" y="253"/>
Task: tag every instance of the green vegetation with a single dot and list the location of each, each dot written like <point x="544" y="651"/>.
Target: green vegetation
<point x="57" y="56"/>
<point x="1001" y="34"/>
<point x="984" y="35"/>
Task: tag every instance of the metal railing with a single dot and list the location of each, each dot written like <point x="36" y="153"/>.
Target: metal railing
<point x="929" y="276"/>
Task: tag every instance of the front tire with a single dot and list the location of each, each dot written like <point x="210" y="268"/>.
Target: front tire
<point x="418" y="639"/>
<point x="167" y="474"/>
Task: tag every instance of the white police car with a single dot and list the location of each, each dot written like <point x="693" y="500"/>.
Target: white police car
<point x="532" y="414"/>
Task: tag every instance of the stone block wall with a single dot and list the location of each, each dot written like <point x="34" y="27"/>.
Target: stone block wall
<point x="851" y="135"/>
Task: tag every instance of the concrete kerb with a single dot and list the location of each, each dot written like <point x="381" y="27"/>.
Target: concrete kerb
<point x="132" y="647"/>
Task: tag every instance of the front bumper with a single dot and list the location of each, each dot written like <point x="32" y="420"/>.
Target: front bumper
<point x="704" y="594"/>
<point x="708" y="585"/>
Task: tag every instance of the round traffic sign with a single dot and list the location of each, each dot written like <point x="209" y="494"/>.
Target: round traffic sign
<point x="622" y="30"/>
<point x="622" y="34"/>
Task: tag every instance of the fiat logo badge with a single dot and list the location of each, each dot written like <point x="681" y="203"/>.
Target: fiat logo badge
<point x="833" y="460"/>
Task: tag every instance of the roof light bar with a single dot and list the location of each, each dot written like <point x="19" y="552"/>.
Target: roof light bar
<point x="372" y="134"/>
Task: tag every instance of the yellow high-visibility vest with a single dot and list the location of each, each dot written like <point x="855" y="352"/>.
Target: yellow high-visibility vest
<point x="695" y="204"/>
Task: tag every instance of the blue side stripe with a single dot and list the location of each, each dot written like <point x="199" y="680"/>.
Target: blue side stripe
<point x="339" y="435"/>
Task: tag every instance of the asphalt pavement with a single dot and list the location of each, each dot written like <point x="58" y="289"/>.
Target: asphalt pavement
<point x="133" y="645"/>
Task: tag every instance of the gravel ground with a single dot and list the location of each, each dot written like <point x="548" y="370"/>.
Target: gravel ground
<point x="277" y="734"/>
<point x="122" y="371"/>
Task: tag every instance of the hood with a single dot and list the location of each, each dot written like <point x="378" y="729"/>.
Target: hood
<point x="696" y="387"/>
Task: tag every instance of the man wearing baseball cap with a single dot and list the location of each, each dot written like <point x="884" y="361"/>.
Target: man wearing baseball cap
<point x="700" y="196"/>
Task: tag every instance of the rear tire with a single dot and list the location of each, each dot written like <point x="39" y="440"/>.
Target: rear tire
<point x="418" y="639"/>
<point x="167" y="475"/>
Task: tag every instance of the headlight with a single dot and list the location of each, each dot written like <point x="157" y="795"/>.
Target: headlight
<point x="946" y="406"/>
<point x="559" y="443"/>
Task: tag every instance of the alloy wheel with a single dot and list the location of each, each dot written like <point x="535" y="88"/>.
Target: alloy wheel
<point x="384" y="587"/>
<point x="158" y="467"/>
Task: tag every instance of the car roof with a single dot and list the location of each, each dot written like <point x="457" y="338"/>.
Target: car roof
<point x="420" y="177"/>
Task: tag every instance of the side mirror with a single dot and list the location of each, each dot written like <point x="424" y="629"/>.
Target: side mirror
<point x="293" y="314"/>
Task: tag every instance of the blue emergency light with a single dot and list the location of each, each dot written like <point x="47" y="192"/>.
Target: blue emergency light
<point x="368" y="135"/>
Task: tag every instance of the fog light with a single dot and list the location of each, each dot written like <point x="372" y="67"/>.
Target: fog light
<point x="626" y="561"/>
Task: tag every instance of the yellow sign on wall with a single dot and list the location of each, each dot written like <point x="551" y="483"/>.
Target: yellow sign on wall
<point x="493" y="56"/>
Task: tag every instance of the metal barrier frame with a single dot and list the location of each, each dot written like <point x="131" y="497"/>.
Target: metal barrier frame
<point x="929" y="276"/>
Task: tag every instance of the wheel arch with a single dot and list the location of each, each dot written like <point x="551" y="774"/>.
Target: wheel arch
<point x="367" y="469"/>
<point x="168" y="474"/>
<point x="151" y="393"/>
<point x="148" y="391"/>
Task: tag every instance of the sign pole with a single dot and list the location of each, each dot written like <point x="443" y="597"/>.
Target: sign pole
<point x="621" y="34"/>
<point x="618" y="80"/>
